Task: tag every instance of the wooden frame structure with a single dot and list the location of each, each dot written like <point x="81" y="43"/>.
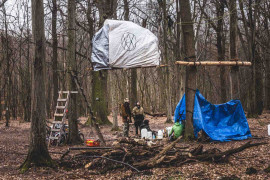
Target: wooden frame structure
<point x="213" y="63"/>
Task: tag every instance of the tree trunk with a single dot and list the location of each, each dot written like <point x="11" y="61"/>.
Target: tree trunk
<point x="99" y="96"/>
<point x="234" y="74"/>
<point x="114" y="100"/>
<point x="221" y="50"/>
<point x="107" y="9"/>
<point x="54" y="58"/>
<point x="73" y="134"/>
<point x="8" y="72"/>
<point x="259" y="84"/>
<point x="189" y="48"/>
<point x="267" y="84"/>
<point x="167" y="73"/>
<point x="133" y="79"/>
<point x="38" y="154"/>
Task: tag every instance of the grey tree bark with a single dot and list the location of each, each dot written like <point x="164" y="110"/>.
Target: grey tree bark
<point x="73" y="135"/>
<point x="234" y="74"/>
<point x="38" y="154"/>
<point x="189" y="54"/>
<point x="54" y="58"/>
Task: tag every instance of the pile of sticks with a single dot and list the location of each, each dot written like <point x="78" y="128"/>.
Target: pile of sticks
<point x="138" y="155"/>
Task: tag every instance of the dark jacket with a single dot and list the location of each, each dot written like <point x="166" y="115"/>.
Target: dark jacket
<point x="125" y="111"/>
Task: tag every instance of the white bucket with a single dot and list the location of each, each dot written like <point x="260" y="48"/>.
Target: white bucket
<point x="144" y="133"/>
<point x="160" y="135"/>
<point x="169" y="129"/>
<point x="149" y="135"/>
<point x="268" y="129"/>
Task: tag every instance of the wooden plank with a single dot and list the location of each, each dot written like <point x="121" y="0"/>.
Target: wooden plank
<point x="66" y="92"/>
<point x="74" y="92"/>
<point x="214" y="63"/>
<point x="61" y="100"/>
<point x="60" y="107"/>
<point x="54" y="138"/>
<point x="57" y="122"/>
<point x="58" y="114"/>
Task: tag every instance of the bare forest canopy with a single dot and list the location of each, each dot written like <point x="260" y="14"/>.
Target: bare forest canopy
<point x="158" y="89"/>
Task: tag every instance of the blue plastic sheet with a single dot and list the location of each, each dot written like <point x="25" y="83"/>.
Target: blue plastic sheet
<point x="222" y="122"/>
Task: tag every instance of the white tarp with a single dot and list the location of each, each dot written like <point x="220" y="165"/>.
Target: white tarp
<point x="130" y="45"/>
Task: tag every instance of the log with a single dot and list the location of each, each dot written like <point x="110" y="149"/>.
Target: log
<point x="158" y="158"/>
<point x="216" y="157"/>
<point x="87" y="148"/>
<point x="133" y="142"/>
<point x="155" y="114"/>
<point x="102" y="157"/>
<point x="214" y="63"/>
<point x="107" y="154"/>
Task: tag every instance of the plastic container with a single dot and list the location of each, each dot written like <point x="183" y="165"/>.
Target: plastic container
<point x="268" y="129"/>
<point x="149" y="135"/>
<point x="144" y="133"/>
<point x="160" y="134"/>
<point x="169" y="129"/>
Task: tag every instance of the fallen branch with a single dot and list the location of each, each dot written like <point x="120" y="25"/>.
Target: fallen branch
<point x="158" y="158"/>
<point x="107" y="154"/>
<point x="113" y="161"/>
<point x="155" y="114"/>
<point x="223" y="155"/>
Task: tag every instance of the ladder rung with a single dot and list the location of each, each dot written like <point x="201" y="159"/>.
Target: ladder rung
<point x="55" y="130"/>
<point x="58" y="114"/>
<point x="62" y="100"/>
<point x="66" y="92"/>
<point x="57" y="122"/>
<point x="60" y="107"/>
<point x="53" y="138"/>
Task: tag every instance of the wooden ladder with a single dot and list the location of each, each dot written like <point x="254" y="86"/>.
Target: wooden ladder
<point x="59" y="117"/>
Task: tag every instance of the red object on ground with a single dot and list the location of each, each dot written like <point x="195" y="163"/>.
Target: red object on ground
<point x="92" y="143"/>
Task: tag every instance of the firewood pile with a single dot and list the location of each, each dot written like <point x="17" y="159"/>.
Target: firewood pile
<point x="138" y="155"/>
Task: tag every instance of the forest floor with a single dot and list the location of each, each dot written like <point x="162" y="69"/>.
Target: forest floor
<point x="14" y="142"/>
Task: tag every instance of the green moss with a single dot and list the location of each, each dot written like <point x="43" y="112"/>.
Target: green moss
<point x="41" y="159"/>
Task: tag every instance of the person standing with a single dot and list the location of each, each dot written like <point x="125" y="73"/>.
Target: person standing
<point x="138" y="115"/>
<point x="126" y="116"/>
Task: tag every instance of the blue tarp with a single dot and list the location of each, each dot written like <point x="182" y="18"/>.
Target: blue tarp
<point x="222" y="122"/>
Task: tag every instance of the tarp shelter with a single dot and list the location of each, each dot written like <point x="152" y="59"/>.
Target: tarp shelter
<point x="124" y="44"/>
<point x="222" y="122"/>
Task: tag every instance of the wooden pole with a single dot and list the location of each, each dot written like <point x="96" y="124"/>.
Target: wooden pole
<point x="214" y="63"/>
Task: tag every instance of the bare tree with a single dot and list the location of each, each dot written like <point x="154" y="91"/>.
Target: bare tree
<point x="54" y="58"/>
<point x="73" y="136"/>
<point x="38" y="154"/>
<point x="189" y="52"/>
<point x="234" y="75"/>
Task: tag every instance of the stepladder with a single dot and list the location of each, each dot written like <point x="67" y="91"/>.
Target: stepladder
<point x="58" y="128"/>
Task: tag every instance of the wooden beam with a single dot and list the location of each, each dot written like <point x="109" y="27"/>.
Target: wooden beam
<point x="214" y="63"/>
